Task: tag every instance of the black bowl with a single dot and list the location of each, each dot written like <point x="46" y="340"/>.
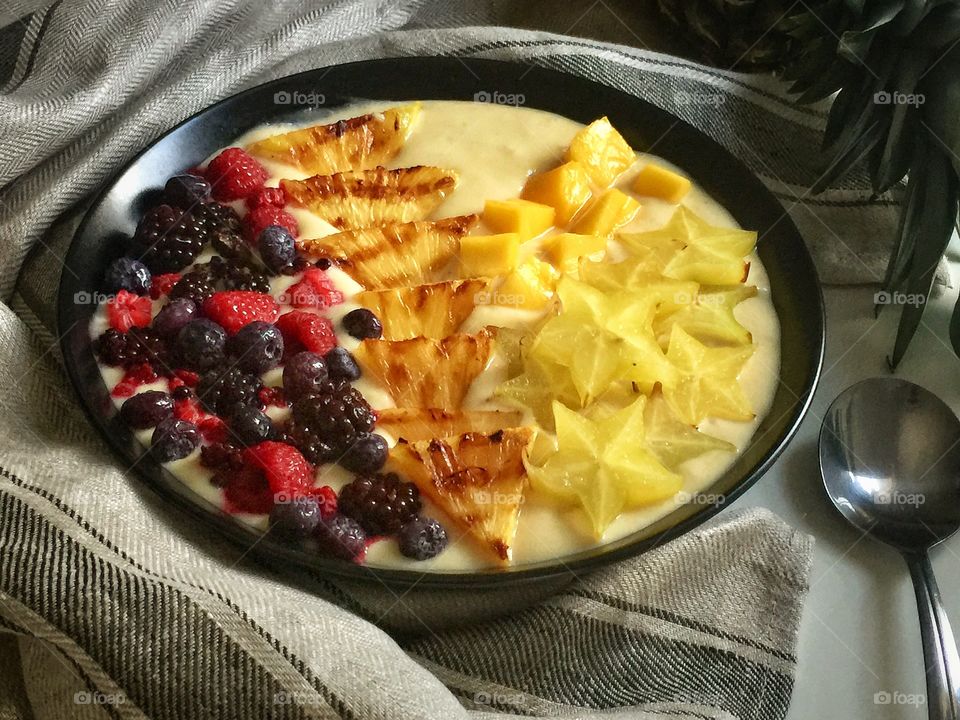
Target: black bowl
<point x="795" y="289"/>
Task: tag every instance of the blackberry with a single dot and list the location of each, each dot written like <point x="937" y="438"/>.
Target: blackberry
<point x="196" y="285"/>
<point x="182" y="392"/>
<point x="134" y="347"/>
<point x="240" y="277"/>
<point x="168" y="239"/>
<point x="422" y="538"/>
<point x="326" y="423"/>
<point x="342" y="537"/>
<point x="382" y="504"/>
<point x="221" y="223"/>
<point x="221" y="392"/>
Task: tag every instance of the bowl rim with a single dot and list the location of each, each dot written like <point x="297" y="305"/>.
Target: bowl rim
<point x="168" y="487"/>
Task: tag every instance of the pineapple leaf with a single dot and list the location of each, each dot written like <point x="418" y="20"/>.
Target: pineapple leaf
<point x="940" y="204"/>
<point x="894" y="160"/>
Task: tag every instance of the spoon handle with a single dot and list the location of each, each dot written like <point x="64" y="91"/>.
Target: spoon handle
<point x="939" y="646"/>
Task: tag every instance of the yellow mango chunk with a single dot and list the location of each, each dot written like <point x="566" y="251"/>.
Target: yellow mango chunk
<point x="488" y="255"/>
<point x="530" y="286"/>
<point x="566" y="249"/>
<point x="656" y="181"/>
<point x="565" y="188"/>
<point x="523" y="217"/>
<point x="611" y="210"/>
<point x="602" y="151"/>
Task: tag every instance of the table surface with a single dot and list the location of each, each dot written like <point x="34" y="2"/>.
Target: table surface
<point x="859" y="650"/>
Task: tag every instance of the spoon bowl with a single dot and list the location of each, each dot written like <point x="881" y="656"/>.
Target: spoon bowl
<point x="890" y="461"/>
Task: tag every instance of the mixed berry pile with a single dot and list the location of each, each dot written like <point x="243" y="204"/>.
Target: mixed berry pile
<point x="210" y="329"/>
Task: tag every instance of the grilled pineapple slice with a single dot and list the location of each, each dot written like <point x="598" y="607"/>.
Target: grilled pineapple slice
<point x="365" y="198"/>
<point x="395" y="255"/>
<point x="413" y="424"/>
<point x="433" y="311"/>
<point x="355" y="144"/>
<point x="425" y="372"/>
<point x="476" y="479"/>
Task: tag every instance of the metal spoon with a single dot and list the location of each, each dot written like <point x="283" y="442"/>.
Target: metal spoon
<point x="890" y="460"/>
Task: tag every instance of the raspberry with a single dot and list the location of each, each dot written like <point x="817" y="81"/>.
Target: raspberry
<point x="382" y="504"/>
<point x="287" y="471"/>
<point x="327" y="498"/>
<point x="234" y="175"/>
<point x="315" y="290"/>
<point x="187" y="409"/>
<point x="263" y="216"/>
<point x="133" y="378"/>
<point x="306" y="331"/>
<point x="233" y="309"/>
<point x="274" y="196"/>
<point x="247" y="491"/>
<point x="163" y="284"/>
<point x="213" y="429"/>
<point x="272" y="396"/>
<point x="126" y="310"/>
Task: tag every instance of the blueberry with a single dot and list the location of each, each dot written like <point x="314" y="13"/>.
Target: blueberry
<point x="303" y="373"/>
<point x="174" y="315"/>
<point x="366" y="455"/>
<point x="257" y="347"/>
<point x="146" y="409"/>
<point x="174" y="439"/>
<point x="362" y="324"/>
<point x="250" y="425"/>
<point x="200" y="344"/>
<point x="185" y="191"/>
<point x="277" y="248"/>
<point x="422" y="538"/>
<point x="294" y="519"/>
<point x="127" y="274"/>
<point x="341" y="365"/>
<point x="341" y="537"/>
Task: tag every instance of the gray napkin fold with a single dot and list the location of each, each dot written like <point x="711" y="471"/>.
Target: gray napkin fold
<point x="122" y="607"/>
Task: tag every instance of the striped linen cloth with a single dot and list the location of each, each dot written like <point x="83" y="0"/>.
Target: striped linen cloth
<point x="112" y="604"/>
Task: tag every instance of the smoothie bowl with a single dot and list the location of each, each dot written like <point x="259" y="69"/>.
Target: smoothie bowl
<point x="433" y="340"/>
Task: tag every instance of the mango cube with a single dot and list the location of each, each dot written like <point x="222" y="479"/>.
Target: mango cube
<point x="523" y="217"/>
<point x="564" y="250"/>
<point x="488" y="255"/>
<point x="602" y="151"/>
<point x="565" y="188"/>
<point x="658" y="182"/>
<point x="530" y="286"/>
<point x="611" y="210"/>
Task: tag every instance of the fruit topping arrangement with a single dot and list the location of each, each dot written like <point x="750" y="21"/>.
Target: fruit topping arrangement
<point x="248" y="353"/>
